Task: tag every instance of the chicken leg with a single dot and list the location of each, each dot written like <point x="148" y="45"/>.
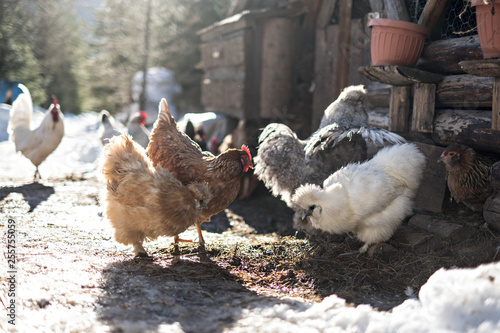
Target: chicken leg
<point x="37" y="176"/>
<point x="200" y="235"/>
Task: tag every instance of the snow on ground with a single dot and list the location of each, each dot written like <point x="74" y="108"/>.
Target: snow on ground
<point x="454" y="300"/>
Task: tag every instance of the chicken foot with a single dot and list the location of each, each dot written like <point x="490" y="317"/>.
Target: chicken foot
<point x="37" y="176"/>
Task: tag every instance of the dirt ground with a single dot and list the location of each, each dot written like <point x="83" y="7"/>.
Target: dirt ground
<point x="67" y="257"/>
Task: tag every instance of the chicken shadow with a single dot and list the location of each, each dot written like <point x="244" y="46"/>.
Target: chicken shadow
<point x="34" y="193"/>
<point x="196" y="295"/>
<point x="263" y="212"/>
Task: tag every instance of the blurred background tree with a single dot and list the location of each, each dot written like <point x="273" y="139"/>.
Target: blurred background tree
<point x="86" y="52"/>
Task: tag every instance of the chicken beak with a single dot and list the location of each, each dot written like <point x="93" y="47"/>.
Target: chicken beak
<point x="306" y="213"/>
<point x="441" y="158"/>
<point x="204" y="205"/>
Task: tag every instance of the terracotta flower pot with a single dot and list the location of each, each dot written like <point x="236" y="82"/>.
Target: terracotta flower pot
<point x="396" y="43"/>
<point x="488" y="27"/>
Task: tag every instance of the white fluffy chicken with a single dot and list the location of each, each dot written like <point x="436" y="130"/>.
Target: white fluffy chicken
<point x="35" y="144"/>
<point x="145" y="202"/>
<point x="369" y="199"/>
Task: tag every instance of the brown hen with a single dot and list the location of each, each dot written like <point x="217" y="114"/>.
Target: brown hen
<point x="467" y="174"/>
<point x="143" y="202"/>
<point x="174" y="150"/>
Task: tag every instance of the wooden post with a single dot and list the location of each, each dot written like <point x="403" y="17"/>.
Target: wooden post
<point x="495" y="105"/>
<point x="341" y="80"/>
<point x="399" y="109"/>
<point x="431" y="13"/>
<point x="424" y="98"/>
<point x="396" y="10"/>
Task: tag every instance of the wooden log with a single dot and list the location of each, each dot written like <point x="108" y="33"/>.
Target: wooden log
<point x="453" y="91"/>
<point x="399" y="75"/>
<point x="396" y="10"/>
<point x="488" y="68"/>
<point x="464" y="91"/>
<point x="495" y="105"/>
<point x="325" y="13"/>
<point x="399" y="109"/>
<point x="484" y="67"/>
<point x="443" y="56"/>
<point x="470" y="128"/>
<point x="491" y="211"/>
<point x="431" y="13"/>
<point x="424" y="97"/>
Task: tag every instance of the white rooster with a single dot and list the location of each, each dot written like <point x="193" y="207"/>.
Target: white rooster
<point x="35" y="144"/>
<point x="369" y="199"/>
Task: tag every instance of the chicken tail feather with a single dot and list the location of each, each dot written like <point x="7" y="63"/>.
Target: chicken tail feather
<point x="21" y="111"/>
<point x="164" y="114"/>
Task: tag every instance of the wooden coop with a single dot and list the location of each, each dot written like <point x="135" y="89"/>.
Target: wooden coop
<point x="272" y="61"/>
<point x="247" y="59"/>
<point x="449" y="96"/>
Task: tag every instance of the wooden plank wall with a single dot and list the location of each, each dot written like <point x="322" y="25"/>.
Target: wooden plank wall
<point x="340" y="51"/>
<point x="276" y="81"/>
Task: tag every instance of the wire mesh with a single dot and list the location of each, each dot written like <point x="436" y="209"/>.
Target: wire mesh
<point x="459" y="19"/>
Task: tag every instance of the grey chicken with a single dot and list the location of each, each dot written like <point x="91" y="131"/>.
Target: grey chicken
<point x="284" y="162"/>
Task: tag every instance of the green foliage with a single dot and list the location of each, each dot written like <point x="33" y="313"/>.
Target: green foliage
<point x="48" y="47"/>
<point x="17" y="60"/>
<point x="176" y="36"/>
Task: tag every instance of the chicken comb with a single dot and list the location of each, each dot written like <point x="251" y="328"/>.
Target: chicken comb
<point x="144" y="116"/>
<point x="54" y="100"/>
<point x="246" y="150"/>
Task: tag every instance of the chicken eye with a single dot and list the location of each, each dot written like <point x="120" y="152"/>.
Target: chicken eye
<point x="312" y="207"/>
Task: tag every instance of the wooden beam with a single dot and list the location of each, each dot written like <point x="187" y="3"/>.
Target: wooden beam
<point x="325" y="13"/>
<point x="432" y="12"/>
<point x="495" y="105"/>
<point x="399" y="109"/>
<point x="443" y="56"/>
<point x="467" y="127"/>
<point x="454" y="91"/>
<point x="399" y="75"/>
<point x="396" y="10"/>
<point x="343" y="61"/>
<point x="483" y="68"/>
<point x="464" y="91"/>
<point x="424" y="97"/>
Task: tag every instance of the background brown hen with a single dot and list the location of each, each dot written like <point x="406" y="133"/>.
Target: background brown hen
<point x="467" y="175"/>
<point x="175" y="151"/>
